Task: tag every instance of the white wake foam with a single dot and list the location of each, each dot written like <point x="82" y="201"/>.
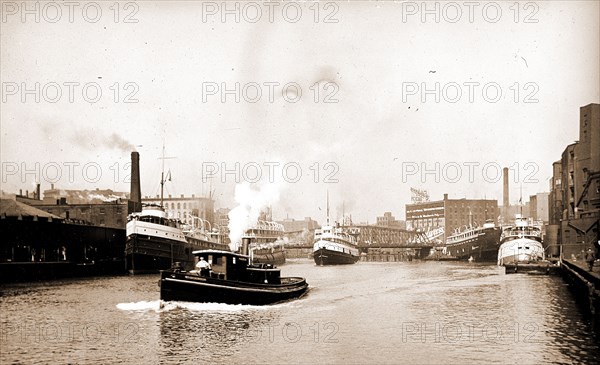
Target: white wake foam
<point x="162" y="306"/>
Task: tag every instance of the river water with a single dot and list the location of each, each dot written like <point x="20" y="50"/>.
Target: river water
<point x="377" y="313"/>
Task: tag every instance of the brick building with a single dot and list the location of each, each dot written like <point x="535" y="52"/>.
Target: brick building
<point x="451" y="214"/>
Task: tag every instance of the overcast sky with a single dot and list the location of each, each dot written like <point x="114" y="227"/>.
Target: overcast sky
<point x="343" y="92"/>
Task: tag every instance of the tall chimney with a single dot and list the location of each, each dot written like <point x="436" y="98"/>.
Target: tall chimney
<point x="135" y="190"/>
<point x="505" y="198"/>
<point x="38" y="197"/>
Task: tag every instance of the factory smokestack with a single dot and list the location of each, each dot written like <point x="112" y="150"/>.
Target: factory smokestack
<point x="135" y="197"/>
<point x="505" y="197"/>
<point x="505" y="200"/>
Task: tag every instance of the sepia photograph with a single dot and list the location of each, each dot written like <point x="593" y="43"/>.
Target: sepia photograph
<point x="300" y="182"/>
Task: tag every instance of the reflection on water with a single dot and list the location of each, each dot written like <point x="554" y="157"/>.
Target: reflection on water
<point x="218" y="335"/>
<point x="419" y="312"/>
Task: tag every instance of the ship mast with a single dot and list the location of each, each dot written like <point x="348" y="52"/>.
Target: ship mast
<point x="470" y="218"/>
<point x="163" y="179"/>
<point x="521" y="200"/>
<point x="327" y="207"/>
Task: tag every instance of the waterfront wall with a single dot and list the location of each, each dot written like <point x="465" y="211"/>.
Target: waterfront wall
<point x="585" y="286"/>
<point x="298" y="252"/>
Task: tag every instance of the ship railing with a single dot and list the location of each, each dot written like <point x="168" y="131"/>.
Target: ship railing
<point x="268" y="226"/>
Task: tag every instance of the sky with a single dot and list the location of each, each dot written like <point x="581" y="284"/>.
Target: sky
<point x="360" y="100"/>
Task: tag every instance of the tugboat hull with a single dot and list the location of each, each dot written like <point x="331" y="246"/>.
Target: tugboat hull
<point x="190" y="287"/>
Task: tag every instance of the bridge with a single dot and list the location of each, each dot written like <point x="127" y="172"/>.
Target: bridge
<point x="382" y="236"/>
<point x="373" y="236"/>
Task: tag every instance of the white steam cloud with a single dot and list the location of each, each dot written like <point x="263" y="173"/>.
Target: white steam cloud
<point x="250" y="199"/>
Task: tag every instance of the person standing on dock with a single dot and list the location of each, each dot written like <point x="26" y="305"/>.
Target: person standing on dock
<point x="590" y="257"/>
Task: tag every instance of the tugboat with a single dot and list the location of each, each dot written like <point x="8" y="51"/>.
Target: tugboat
<point x="231" y="279"/>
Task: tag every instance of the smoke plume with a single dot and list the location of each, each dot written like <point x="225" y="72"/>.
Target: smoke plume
<point x="92" y="139"/>
<point x="250" y="199"/>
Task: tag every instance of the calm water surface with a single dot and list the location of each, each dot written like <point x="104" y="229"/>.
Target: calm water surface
<point x="418" y="312"/>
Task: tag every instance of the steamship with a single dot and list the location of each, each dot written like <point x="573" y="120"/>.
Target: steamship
<point x="155" y="242"/>
<point x="475" y="243"/>
<point x="332" y="246"/>
<point x="266" y="243"/>
<point x="520" y="243"/>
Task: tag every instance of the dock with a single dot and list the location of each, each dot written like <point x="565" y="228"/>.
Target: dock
<point x="534" y="268"/>
<point x="585" y="286"/>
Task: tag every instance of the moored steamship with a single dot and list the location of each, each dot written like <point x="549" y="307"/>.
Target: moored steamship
<point x="521" y="243"/>
<point x="154" y="242"/>
<point x="266" y="243"/>
<point x="475" y="243"/>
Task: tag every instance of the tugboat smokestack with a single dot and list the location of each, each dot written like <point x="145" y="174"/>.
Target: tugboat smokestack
<point x="245" y="245"/>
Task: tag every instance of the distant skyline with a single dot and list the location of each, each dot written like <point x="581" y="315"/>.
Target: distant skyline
<point x="364" y="93"/>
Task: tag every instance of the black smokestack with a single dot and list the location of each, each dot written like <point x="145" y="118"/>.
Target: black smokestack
<point x="135" y="198"/>
<point x="38" y="191"/>
<point x="245" y="245"/>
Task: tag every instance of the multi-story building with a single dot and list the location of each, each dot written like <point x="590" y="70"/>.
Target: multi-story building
<point x="95" y="207"/>
<point x="222" y="218"/>
<point x="555" y="202"/>
<point x="388" y="220"/>
<point x="292" y="225"/>
<point x="452" y="214"/>
<point x="184" y="208"/>
<point x="538" y="207"/>
<point x="575" y="189"/>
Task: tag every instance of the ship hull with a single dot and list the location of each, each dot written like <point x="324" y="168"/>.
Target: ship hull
<point x="149" y="254"/>
<point x="483" y="247"/>
<point x="324" y="256"/>
<point x="193" y="288"/>
<point x="520" y="250"/>
<point x="276" y="257"/>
